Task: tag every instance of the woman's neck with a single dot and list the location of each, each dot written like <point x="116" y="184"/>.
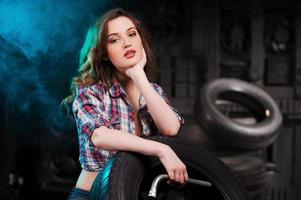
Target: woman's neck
<point x="129" y="85"/>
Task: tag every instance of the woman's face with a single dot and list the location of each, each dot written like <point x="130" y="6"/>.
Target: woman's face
<point x="124" y="45"/>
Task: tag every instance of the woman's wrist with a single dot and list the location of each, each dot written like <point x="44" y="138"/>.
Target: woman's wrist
<point x="140" y="80"/>
<point x="137" y="73"/>
<point x="161" y="149"/>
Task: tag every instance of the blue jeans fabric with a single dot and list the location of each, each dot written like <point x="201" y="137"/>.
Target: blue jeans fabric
<point x="78" y="194"/>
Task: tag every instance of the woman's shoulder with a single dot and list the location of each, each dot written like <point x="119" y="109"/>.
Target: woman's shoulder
<point x="88" y="94"/>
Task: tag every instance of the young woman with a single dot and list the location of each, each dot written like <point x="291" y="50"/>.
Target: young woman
<point x="114" y="103"/>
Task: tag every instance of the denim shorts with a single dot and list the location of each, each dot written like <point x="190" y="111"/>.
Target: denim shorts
<point x="78" y="194"/>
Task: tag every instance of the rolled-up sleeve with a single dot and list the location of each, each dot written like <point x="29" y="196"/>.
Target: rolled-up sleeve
<point x="88" y="110"/>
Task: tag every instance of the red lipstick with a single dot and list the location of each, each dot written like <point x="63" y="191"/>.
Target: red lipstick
<point x="129" y="53"/>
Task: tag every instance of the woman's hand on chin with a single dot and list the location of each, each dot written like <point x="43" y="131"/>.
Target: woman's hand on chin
<point x="138" y="68"/>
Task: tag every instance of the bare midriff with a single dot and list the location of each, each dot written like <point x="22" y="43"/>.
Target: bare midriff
<point x="85" y="180"/>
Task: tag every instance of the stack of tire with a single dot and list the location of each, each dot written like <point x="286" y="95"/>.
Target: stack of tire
<point x="241" y="138"/>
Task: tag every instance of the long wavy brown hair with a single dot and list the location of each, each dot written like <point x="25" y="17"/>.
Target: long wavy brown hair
<point x="94" y="65"/>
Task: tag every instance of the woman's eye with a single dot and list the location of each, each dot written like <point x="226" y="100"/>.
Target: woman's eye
<point x="132" y="34"/>
<point x="114" y="40"/>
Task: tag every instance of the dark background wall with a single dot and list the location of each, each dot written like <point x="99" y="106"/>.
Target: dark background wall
<point x="195" y="41"/>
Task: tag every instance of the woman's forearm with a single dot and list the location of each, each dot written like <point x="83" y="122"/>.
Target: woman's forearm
<point x="116" y="140"/>
<point x="110" y="139"/>
<point x="164" y="117"/>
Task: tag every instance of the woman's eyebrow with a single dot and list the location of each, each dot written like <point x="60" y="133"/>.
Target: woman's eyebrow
<point x="118" y="33"/>
<point x="131" y="28"/>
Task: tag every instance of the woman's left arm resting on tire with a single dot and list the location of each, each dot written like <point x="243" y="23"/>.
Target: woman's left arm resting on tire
<point x="110" y="139"/>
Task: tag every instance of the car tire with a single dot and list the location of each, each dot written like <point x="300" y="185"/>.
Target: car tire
<point x="131" y="174"/>
<point x="251" y="171"/>
<point x="233" y="133"/>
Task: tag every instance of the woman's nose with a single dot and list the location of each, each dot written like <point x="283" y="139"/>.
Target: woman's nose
<point x="126" y="42"/>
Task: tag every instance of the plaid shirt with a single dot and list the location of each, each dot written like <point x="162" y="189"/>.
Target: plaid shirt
<point x="93" y="107"/>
